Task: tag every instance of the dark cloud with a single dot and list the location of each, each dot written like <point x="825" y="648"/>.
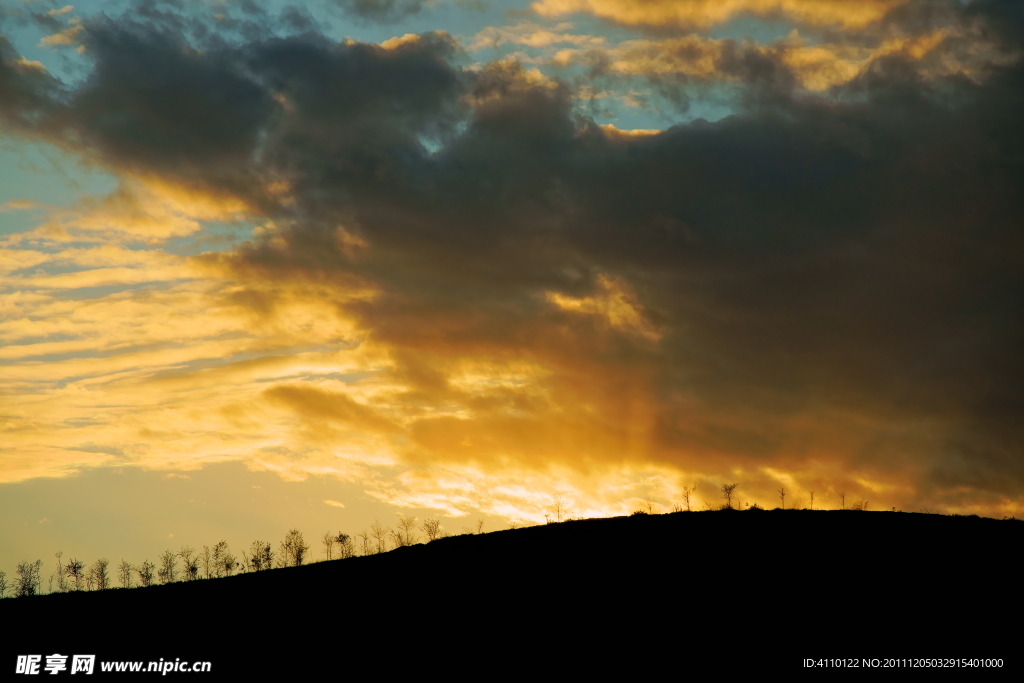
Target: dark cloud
<point x="380" y="11"/>
<point x="153" y="103"/>
<point x="352" y="112"/>
<point x="831" y="278"/>
<point x="45" y="15"/>
<point x="229" y="117"/>
<point x="27" y="92"/>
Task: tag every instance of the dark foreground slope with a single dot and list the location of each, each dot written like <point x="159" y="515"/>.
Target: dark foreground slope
<point x="714" y="592"/>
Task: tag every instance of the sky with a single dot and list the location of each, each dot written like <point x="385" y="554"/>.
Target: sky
<point x="272" y="265"/>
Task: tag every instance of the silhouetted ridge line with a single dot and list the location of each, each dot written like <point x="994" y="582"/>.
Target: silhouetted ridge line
<point x="602" y="579"/>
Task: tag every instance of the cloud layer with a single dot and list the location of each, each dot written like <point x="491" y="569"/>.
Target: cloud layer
<point x="461" y="278"/>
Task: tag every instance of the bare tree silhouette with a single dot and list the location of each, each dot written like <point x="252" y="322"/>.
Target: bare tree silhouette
<point x="28" y="578"/>
<point x="842" y="500"/>
<point x="145" y="572"/>
<point x="782" y="494"/>
<point x="688" y="492"/>
<point x="189" y="563"/>
<point x="328" y="542"/>
<point x="812" y="500"/>
<point x="379" y="533"/>
<point x="268" y="556"/>
<point x="206" y="562"/>
<point x="222" y="562"/>
<point x="432" y="528"/>
<point x="727" y="493"/>
<point x="100" y="577"/>
<point x="61" y="573"/>
<point x="406" y="532"/>
<point x="124" y="574"/>
<point x="346" y="546"/>
<point x="559" y="507"/>
<point x="228" y="563"/>
<point x="261" y="556"/>
<point x="76" y="570"/>
<point x="168" y="572"/>
<point x="293" y="549"/>
<point x="3" y="583"/>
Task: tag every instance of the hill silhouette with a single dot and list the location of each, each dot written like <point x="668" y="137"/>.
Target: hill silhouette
<point x="719" y="592"/>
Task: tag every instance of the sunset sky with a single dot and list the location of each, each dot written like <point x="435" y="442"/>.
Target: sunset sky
<point x="269" y="265"/>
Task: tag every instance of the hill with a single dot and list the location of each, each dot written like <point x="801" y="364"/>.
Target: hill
<point x="716" y="592"/>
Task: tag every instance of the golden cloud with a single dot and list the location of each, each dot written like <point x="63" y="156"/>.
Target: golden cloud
<point x="331" y="406"/>
<point x="816" y="67"/>
<point x="531" y="35"/>
<point x="68" y="36"/>
<point x="17" y="205"/>
<point x="614" y="302"/>
<point x="846" y="14"/>
<point x="627" y="133"/>
<point x="30" y="64"/>
<point x="400" y="41"/>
